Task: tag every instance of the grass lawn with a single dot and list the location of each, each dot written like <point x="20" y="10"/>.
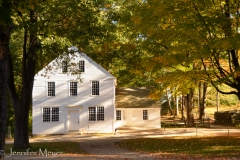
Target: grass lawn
<point x="65" y="147"/>
<point x="204" y="146"/>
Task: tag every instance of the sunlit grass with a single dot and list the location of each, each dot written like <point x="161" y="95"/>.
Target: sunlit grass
<point x="65" y="147"/>
<point x="196" y="146"/>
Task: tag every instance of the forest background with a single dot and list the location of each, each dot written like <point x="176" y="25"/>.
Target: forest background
<point x="181" y="48"/>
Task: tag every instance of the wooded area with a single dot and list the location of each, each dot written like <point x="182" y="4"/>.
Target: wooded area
<point x="178" y="47"/>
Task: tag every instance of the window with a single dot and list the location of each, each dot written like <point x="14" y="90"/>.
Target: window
<point x="145" y="114"/>
<point x="95" y="87"/>
<point x="100" y="113"/>
<point x="92" y="113"/>
<point x="118" y="115"/>
<point x="46" y="115"/>
<point x="51" y="114"/>
<point x="73" y="89"/>
<point x="51" y="89"/>
<point x="55" y="114"/>
<point x="82" y="66"/>
<point x="96" y="113"/>
<point x="64" y="66"/>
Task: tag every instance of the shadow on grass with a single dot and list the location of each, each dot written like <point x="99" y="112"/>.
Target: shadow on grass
<point x="64" y="147"/>
<point x="208" y="146"/>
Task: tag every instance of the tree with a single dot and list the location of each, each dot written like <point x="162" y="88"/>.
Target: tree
<point x="202" y="99"/>
<point x="168" y="61"/>
<point x="118" y="50"/>
<point x="5" y="30"/>
<point x="197" y="39"/>
<point x="45" y="29"/>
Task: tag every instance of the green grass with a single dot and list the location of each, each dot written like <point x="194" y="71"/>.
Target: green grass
<point x="207" y="146"/>
<point x="65" y="147"/>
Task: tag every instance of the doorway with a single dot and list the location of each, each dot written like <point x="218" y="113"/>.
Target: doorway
<point x="73" y="120"/>
<point x="127" y="118"/>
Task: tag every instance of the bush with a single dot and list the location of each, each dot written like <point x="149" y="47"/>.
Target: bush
<point x="227" y="117"/>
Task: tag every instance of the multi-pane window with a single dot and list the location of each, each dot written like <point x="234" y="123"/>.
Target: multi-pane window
<point x="51" y="89"/>
<point x="100" y="113"/>
<point x="64" y="66"/>
<point x="73" y="89"/>
<point x="118" y="115"/>
<point x="145" y="114"/>
<point x="82" y="66"/>
<point x="96" y="113"/>
<point x="51" y="114"/>
<point x="46" y="115"/>
<point x="95" y="87"/>
<point x="55" y="114"/>
<point x="92" y="113"/>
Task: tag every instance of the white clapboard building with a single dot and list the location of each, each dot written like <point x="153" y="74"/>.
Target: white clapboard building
<point x="73" y="93"/>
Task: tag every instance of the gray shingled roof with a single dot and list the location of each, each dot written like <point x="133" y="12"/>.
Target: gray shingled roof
<point x="135" y="98"/>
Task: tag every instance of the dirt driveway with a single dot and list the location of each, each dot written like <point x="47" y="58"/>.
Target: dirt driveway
<point x="104" y="146"/>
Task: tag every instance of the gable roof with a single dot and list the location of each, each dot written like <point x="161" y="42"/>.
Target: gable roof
<point x="76" y="52"/>
<point x="54" y="66"/>
<point x="97" y="65"/>
<point x="134" y="97"/>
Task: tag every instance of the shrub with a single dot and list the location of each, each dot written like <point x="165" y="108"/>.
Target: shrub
<point x="227" y="117"/>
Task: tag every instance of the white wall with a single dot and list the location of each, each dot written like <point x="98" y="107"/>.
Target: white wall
<point x="133" y="117"/>
<point x="81" y="102"/>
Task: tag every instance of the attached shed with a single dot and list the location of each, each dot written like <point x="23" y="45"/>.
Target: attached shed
<point x="135" y="109"/>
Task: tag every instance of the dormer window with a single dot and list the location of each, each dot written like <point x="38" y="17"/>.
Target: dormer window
<point x="82" y="66"/>
<point x="64" y="66"/>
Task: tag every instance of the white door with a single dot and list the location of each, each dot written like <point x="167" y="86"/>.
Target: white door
<point x="73" y="120"/>
<point x="127" y="118"/>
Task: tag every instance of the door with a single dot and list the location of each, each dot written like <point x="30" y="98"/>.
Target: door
<point x="127" y="118"/>
<point x="73" y="120"/>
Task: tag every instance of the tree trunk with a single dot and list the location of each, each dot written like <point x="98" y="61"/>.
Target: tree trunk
<point x="189" y="106"/>
<point x="182" y="107"/>
<point x="202" y="100"/>
<point x="177" y="105"/>
<point x="21" y="112"/>
<point x="21" y="105"/>
<point x="169" y="104"/>
<point x="22" y="102"/>
<point x="4" y="51"/>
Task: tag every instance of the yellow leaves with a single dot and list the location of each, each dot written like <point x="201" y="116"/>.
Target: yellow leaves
<point x="107" y="48"/>
<point x="164" y="26"/>
<point x="129" y="47"/>
<point x="222" y="44"/>
<point x="154" y="96"/>
<point x="136" y="20"/>
<point x="165" y="60"/>
<point x="108" y="5"/>
<point x="237" y="74"/>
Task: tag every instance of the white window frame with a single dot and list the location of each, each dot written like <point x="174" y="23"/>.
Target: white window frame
<point x="51" y="89"/>
<point x="95" y="90"/>
<point x="72" y="89"/>
<point x="145" y="115"/>
<point x="118" y="115"/>
<point x="96" y="113"/>
<point x="52" y="116"/>
<point x="81" y="66"/>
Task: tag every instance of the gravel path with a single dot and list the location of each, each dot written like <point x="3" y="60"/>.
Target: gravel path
<point x="99" y="148"/>
<point x="108" y="148"/>
<point x="104" y="147"/>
